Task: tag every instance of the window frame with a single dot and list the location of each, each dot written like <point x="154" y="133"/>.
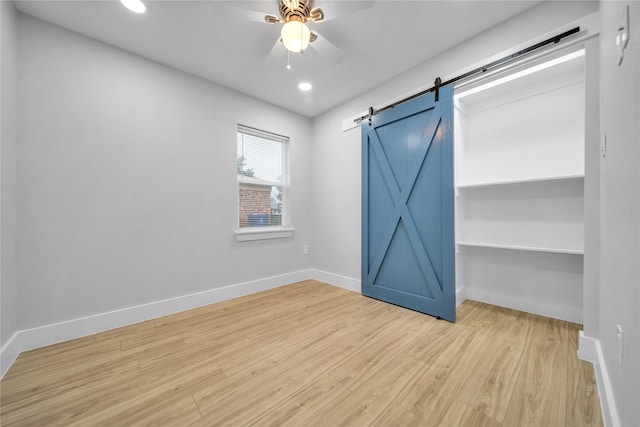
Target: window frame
<point x="284" y="230"/>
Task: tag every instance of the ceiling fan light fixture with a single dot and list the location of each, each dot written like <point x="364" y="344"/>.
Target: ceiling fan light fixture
<point x="295" y="36"/>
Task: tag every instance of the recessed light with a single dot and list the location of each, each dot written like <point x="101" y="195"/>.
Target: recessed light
<point x="305" y="86"/>
<point x="134" y="5"/>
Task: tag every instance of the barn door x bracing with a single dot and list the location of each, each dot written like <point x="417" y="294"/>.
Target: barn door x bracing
<point x="408" y="244"/>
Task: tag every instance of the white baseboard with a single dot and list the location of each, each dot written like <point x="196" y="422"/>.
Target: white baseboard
<point x="461" y="295"/>
<point x="586" y="347"/>
<point x="345" y="282"/>
<point x="9" y="353"/>
<point x="570" y="314"/>
<point x="610" y="416"/>
<point x="29" y="339"/>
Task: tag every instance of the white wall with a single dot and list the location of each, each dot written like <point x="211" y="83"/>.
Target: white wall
<point x="8" y="139"/>
<point x="620" y="209"/>
<point x="591" y="285"/>
<point x="336" y="212"/>
<point x="126" y="180"/>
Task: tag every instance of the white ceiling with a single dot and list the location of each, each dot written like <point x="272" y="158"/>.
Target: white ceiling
<point x="217" y="40"/>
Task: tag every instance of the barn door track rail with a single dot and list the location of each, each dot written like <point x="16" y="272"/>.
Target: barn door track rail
<point x="483" y="69"/>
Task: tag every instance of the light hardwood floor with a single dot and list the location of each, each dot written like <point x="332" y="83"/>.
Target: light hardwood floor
<point x="310" y="354"/>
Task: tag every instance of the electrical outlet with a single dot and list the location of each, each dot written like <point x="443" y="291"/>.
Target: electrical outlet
<point x="305" y="249"/>
<point x="620" y="347"/>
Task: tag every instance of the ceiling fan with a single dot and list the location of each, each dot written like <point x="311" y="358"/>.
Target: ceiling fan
<point x="294" y="14"/>
<point x="295" y="35"/>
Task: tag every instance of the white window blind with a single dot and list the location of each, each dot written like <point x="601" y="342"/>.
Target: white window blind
<point x="263" y="189"/>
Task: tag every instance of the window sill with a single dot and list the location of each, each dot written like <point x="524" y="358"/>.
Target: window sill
<point x="263" y="233"/>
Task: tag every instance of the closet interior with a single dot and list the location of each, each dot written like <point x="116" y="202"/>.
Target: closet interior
<point x="519" y="177"/>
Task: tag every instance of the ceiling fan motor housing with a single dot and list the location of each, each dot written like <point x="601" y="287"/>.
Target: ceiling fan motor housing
<point x="299" y="10"/>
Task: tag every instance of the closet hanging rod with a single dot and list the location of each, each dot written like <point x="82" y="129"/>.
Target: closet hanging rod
<point x="438" y="83"/>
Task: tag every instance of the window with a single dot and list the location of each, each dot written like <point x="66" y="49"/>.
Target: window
<point x="262" y="179"/>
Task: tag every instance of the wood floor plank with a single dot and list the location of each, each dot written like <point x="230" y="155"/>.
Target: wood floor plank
<point x="314" y="355"/>
<point x="488" y="388"/>
<point x="335" y="312"/>
<point x="360" y="365"/>
<point x="55" y="378"/>
<point x="58" y="376"/>
<point x="59" y="356"/>
<point x="151" y="408"/>
<point x="433" y="389"/>
<point x="539" y="397"/>
<point x="306" y="406"/>
<point x="461" y="415"/>
<point x="368" y="400"/>
<point x="245" y="402"/>
<point x="339" y="332"/>
<point x="114" y="394"/>
<point x="386" y="412"/>
<point x="34" y="405"/>
<point x="395" y="415"/>
<point x="440" y="334"/>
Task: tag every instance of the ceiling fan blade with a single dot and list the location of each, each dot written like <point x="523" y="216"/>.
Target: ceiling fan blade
<point x="338" y="9"/>
<point x="326" y="49"/>
<point x="276" y="56"/>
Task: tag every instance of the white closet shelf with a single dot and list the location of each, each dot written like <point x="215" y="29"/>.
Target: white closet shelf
<point x="522" y="181"/>
<point x="522" y="248"/>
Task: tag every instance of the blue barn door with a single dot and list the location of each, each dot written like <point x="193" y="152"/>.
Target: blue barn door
<point x="408" y="244"/>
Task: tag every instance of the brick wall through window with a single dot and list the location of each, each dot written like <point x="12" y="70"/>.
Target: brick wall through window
<point x="254" y="199"/>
